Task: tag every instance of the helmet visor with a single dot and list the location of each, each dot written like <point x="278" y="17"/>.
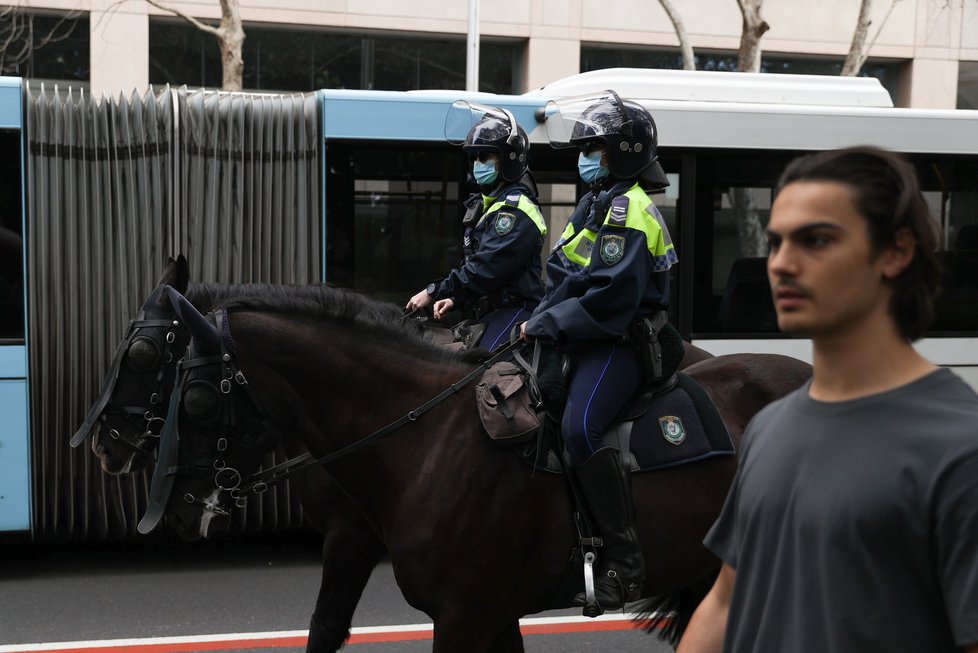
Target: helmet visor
<point x="463" y="116"/>
<point x="574" y="119"/>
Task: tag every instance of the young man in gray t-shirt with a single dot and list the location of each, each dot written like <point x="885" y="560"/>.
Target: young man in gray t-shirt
<point x="852" y="523"/>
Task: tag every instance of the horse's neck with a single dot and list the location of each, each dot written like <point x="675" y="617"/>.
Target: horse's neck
<point x="343" y="385"/>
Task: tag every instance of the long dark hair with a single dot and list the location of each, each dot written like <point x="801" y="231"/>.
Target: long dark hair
<point x="887" y="195"/>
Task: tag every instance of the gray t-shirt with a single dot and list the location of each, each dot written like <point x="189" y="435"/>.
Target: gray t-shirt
<point x="853" y="526"/>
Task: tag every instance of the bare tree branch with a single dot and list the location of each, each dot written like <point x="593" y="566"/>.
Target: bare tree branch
<point x="754" y="27"/>
<point x="19" y="39"/>
<point x="204" y="27"/>
<point x="684" y="45"/>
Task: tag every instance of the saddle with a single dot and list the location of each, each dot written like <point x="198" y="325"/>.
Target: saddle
<point x="669" y="422"/>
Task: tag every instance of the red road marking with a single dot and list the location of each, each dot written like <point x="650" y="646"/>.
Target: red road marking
<point x="297" y="639"/>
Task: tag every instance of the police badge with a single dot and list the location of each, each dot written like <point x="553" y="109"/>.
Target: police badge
<point x="672" y="429"/>
<point x="504" y="223"/>
<point x="612" y="248"/>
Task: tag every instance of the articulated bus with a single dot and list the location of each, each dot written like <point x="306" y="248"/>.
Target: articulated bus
<point x="361" y="189"/>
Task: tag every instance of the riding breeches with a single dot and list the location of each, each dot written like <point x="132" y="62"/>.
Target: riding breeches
<point x="499" y="323"/>
<point x="602" y="381"/>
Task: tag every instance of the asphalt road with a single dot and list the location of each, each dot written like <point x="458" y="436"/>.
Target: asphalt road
<point x="166" y="590"/>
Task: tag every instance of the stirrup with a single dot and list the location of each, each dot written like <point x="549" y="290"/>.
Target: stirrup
<point x="591" y="607"/>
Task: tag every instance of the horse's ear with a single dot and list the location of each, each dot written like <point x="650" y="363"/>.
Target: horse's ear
<point x="169" y="277"/>
<point x="183" y="275"/>
<point x="203" y="332"/>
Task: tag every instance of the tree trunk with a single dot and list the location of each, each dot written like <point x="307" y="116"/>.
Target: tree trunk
<point x="230" y="37"/>
<point x="859" y="50"/>
<point x="684" y="45"/>
<point x="856" y="57"/>
<point x="753" y="28"/>
<point x="750" y="231"/>
<point x="232" y="40"/>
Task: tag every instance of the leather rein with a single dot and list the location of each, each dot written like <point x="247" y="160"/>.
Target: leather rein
<point x="261" y="480"/>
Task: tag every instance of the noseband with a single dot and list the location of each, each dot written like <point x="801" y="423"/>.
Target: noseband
<point x="144" y="416"/>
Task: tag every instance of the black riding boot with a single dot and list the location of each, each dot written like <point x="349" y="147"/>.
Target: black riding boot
<point x="620" y="568"/>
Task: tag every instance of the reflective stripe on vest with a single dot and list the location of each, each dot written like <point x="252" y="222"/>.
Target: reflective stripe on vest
<point x="524" y="204"/>
<point x="627" y="211"/>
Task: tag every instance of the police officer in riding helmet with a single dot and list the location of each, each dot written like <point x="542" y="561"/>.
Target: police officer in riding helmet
<point x="499" y="277"/>
<point x="608" y="271"/>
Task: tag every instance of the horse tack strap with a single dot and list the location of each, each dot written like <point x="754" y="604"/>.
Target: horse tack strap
<point x="108" y="384"/>
<point x="260" y="481"/>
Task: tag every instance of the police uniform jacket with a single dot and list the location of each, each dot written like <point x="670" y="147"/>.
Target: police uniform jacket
<point x="502" y="245"/>
<point x="610" y="266"/>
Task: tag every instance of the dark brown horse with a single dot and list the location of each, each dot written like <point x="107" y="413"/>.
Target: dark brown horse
<point x="476" y="539"/>
<point x="125" y="427"/>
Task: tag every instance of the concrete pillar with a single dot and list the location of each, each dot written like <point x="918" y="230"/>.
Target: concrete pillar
<point x="929" y="84"/>
<point x="119" y="48"/>
<point x="550" y="59"/>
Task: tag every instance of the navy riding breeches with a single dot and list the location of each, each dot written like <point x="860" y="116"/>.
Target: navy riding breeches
<point x="602" y="380"/>
<point x="499" y="323"/>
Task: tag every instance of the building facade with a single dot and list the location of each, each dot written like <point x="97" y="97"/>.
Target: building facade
<point x="926" y="54"/>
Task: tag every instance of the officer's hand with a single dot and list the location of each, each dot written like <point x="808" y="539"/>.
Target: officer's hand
<point x="523" y="335"/>
<point x="420" y="300"/>
<point x="442" y="306"/>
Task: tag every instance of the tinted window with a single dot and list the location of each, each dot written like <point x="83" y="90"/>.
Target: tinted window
<point x="11" y="240"/>
<point x="43" y="45"/>
<point x="595" y="57"/>
<point x="305" y="60"/>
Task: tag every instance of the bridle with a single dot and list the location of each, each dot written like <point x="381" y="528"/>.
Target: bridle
<point x="256" y="425"/>
<point x="143" y="417"/>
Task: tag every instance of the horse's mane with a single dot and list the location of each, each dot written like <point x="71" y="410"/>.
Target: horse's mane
<point x="323" y="301"/>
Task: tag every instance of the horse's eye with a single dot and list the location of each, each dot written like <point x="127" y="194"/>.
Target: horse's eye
<point x="143" y="355"/>
<point x="202" y="403"/>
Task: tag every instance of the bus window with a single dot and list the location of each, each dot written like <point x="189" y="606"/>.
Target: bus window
<point x="731" y="292"/>
<point x="393" y="216"/>
<point x="11" y="241"/>
<point x="949" y="188"/>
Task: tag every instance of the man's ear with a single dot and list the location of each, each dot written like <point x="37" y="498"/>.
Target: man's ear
<point x="899" y="254"/>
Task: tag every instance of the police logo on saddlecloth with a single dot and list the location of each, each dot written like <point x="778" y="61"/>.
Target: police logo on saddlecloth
<point x="612" y="249"/>
<point x="504" y="223"/>
<point x="672" y="429"/>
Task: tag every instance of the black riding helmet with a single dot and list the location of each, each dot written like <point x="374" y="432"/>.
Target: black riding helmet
<point x="627" y="131"/>
<point x="502" y="135"/>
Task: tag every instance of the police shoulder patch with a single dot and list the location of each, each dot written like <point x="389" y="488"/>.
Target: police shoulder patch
<point x="612" y="248"/>
<point x="505" y="222"/>
<point x="672" y="429"/>
<point x="618" y="214"/>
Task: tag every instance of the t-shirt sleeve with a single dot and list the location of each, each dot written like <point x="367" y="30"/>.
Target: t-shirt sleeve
<point x="956" y="526"/>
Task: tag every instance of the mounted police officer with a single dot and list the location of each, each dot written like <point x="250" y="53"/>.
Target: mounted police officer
<point x="499" y="278"/>
<point x="608" y="274"/>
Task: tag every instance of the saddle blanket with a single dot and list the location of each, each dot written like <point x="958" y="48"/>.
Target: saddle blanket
<point x="679" y="427"/>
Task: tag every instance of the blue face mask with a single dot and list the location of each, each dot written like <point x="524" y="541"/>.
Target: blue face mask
<point x="484" y="173"/>
<point x="590" y="168"/>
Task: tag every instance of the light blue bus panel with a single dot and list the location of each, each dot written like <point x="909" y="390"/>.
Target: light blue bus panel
<point x="15" y="490"/>
<point x="10" y="102"/>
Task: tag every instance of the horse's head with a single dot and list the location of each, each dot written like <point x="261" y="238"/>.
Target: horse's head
<point x="215" y="436"/>
<point x="126" y="419"/>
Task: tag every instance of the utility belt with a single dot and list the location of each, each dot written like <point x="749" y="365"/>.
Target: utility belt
<point x="643" y="336"/>
<point x="489" y="303"/>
